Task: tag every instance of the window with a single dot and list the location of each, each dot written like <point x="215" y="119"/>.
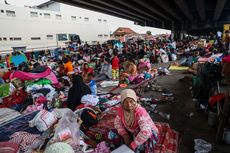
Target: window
<point x="105" y="20"/>
<point x="62" y="37"/>
<point x="34" y="14"/>
<point x="0" y="39"/>
<point x="35" y="38"/>
<point x="99" y="20"/>
<point x="40" y="13"/>
<point x="79" y="17"/>
<point x="11" y="38"/>
<point x="47" y="15"/>
<point x="5" y="39"/>
<point x="105" y="35"/>
<point x="17" y="38"/>
<point x="74" y="38"/>
<point x="49" y="37"/>
<point x="74" y="18"/>
<point x="86" y="19"/>
<point x="58" y="16"/>
<point x="100" y="35"/>
<point x="10" y="13"/>
<point x="2" y="11"/>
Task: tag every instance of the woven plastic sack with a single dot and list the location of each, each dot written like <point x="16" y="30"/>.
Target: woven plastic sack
<point x="43" y="120"/>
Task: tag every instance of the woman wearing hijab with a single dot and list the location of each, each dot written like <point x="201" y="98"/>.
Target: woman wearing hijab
<point x="77" y="91"/>
<point x="134" y="124"/>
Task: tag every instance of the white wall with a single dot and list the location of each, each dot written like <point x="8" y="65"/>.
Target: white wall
<point x="114" y="22"/>
<point x="25" y="26"/>
<point x="88" y="28"/>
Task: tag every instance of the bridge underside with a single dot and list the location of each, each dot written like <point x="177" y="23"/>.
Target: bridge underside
<point x="190" y="16"/>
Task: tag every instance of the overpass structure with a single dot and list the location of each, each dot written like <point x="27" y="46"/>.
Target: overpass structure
<point x="180" y="16"/>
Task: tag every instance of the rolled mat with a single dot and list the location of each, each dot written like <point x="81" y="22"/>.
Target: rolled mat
<point x="178" y="68"/>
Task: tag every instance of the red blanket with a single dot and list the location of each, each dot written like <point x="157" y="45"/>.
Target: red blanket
<point x="168" y="140"/>
<point x="16" y="98"/>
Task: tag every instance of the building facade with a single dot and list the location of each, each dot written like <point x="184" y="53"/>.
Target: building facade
<point x="48" y="26"/>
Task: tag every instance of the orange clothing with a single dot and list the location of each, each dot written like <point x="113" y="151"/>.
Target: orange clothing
<point x="68" y="67"/>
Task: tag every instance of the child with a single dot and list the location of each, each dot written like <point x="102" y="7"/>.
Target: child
<point x="115" y="67"/>
<point x="92" y="84"/>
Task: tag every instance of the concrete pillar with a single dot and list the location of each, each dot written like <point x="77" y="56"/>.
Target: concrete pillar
<point x="163" y="24"/>
<point x="173" y="31"/>
<point x="181" y="35"/>
<point x="182" y="32"/>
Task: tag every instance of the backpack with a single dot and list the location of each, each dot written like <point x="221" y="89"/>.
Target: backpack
<point x="89" y="118"/>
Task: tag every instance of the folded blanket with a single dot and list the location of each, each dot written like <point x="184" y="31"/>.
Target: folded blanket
<point x="109" y="83"/>
<point x="7" y="114"/>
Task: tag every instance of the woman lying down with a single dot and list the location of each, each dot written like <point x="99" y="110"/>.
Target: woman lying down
<point x="135" y="125"/>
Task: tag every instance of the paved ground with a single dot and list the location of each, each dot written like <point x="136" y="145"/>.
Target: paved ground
<point x="190" y="128"/>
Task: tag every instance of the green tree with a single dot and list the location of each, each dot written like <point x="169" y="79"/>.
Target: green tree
<point x="149" y="33"/>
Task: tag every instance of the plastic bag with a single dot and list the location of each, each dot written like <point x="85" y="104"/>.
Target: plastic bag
<point x="174" y="57"/>
<point x="68" y="131"/>
<point x="59" y="147"/>
<point x="60" y="112"/>
<point x="201" y="146"/>
<point x="164" y="57"/>
<point x="101" y="147"/>
<point x="43" y="120"/>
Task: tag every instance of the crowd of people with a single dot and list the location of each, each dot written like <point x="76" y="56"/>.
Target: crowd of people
<point x="70" y="80"/>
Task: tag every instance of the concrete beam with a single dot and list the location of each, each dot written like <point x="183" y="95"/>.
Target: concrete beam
<point x="150" y="8"/>
<point x="124" y="3"/>
<point x="200" y="8"/>
<point x="184" y="7"/>
<point x="166" y="7"/>
<point x="109" y="4"/>
<point x="93" y="7"/>
<point x="219" y="8"/>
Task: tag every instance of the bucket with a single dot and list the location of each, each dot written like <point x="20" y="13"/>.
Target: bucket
<point x="212" y="118"/>
<point x="226" y="136"/>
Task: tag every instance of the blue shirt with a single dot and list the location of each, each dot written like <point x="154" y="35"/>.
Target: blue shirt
<point x="93" y="87"/>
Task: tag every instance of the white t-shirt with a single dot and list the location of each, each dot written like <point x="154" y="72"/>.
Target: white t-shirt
<point x="187" y="50"/>
<point x="219" y="34"/>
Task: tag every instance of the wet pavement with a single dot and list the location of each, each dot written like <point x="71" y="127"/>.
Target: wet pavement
<point x="190" y="121"/>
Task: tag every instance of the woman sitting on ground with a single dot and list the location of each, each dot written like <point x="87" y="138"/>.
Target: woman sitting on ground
<point x="106" y="71"/>
<point x="77" y="91"/>
<point x="86" y="70"/>
<point x="68" y="66"/>
<point x="134" y="124"/>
